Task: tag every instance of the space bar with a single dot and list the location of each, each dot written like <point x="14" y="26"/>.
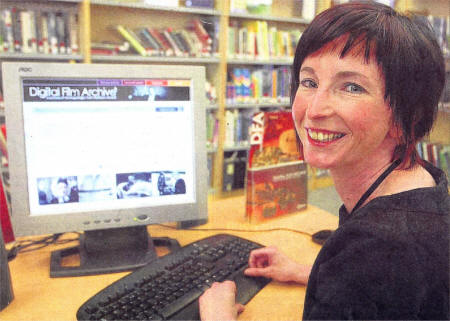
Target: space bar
<point x="180" y="303"/>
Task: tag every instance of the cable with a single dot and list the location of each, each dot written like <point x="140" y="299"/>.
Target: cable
<point x="24" y="246"/>
<point x="277" y="229"/>
<point x="29" y="245"/>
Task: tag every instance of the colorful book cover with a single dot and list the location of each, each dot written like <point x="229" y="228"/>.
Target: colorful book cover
<point x="276" y="182"/>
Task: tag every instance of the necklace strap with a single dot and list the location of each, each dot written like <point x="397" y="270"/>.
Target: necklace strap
<point x="376" y="184"/>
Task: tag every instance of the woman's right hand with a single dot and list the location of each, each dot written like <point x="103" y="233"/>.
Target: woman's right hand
<point x="269" y="262"/>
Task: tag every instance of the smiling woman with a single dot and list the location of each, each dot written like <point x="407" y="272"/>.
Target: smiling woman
<point x="365" y="89"/>
<point x="344" y="98"/>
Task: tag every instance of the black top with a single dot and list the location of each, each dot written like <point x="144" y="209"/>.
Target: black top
<point x="387" y="260"/>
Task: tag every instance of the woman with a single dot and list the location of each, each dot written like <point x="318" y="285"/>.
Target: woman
<point x="366" y="84"/>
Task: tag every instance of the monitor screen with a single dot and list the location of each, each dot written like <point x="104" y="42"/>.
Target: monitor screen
<point x="100" y="147"/>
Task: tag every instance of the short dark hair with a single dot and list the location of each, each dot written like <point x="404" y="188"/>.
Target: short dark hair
<point x="407" y="52"/>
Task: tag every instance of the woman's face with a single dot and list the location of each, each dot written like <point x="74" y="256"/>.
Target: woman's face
<point x="339" y="110"/>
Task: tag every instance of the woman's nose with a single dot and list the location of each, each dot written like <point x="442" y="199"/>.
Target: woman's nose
<point x="320" y="105"/>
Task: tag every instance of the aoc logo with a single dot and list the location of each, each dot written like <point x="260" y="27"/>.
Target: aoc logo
<point x="25" y="69"/>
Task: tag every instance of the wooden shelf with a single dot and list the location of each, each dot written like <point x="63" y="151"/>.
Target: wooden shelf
<point x="41" y="57"/>
<point x="236" y="148"/>
<point x="250" y="16"/>
<point x="249" y="61"/>
<point x="141" y="5"/>
<point x="154" y="59"/>
<point x="257" y="105"/>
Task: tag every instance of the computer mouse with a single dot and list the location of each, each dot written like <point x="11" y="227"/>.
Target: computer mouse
<point x="321" y="236"/>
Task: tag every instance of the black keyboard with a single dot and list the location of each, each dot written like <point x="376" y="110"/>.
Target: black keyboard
<point x="169" y="287"/>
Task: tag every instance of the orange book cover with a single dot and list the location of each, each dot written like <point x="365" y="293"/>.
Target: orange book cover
<point x="276" y="182"/>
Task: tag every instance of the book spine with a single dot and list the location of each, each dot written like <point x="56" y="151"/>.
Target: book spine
<point x="193" y="48"/>
<point x="8" y="38"/>
<point x="61" y="33"/>
<point x="171" y="41"/>
<point x="179" y="43"/>
<point x="231" y="49"/>
<point x="16" y="27"/>
<point x="25" y="28"/>
<point x="73" y="32"/>
<point x="162" y="40"/>
<point x="132" y="40"/>
<point x="143" y="40"/>
<point x="201" y="32"/>
<point x="52" y="35"/>
<point x="145" y="34"/>
<point x="44" y="34"/>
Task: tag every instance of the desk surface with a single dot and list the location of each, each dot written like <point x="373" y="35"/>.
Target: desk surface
<point x="39" y="297"/>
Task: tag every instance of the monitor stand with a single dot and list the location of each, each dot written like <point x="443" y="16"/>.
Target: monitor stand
<point x="108" y="251"/>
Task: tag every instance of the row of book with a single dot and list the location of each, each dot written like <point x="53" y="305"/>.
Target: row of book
<point x="266" y="84"/>
<point x="435" y="153"/>
<point x="257" y="40"/>
<point x="38" y="31"/>
<point x="237" y="124"/>
<point x="199" y="38"/>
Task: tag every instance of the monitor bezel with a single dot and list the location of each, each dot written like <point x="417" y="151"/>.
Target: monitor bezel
<point x="23" y="223"/>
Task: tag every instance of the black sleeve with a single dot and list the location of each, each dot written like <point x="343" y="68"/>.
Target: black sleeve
<point x="363" y="275"/>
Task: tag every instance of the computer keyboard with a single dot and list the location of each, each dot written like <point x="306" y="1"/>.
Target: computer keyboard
<point x="169" y="288"/>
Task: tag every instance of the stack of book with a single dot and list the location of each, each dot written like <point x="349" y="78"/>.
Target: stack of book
<point x="198" y="39"/>
<point x="37" y="31"/>
<point x="256" y="40"/>
<point x="237" y="124"/>
<point x="266" y="84"/>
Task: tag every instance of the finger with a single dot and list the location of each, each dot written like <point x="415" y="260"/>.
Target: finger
<point x="256" y="272"/>
<point x="257" y="259"/>
<point x="230" y="284"/>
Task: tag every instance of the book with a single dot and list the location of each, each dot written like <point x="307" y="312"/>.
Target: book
<point x="61" y="33"/>
<point x="16" y="29"/>
<point x="201" y="32"/>
<point x="26" y="27"/>
<point x="8" y="37"/>
<point x="162" y="41"/>
<point x="143" y="36"/>
<point x="276" y="180"/>
<point x="156" y="48"/>
<point x="182" y="44"/>
<point x="135" y="43"/>
<point x="72" y="25"/>
<point x="110" y="48"/>
<point x="168" y="36"/>
<point x="52" y="35"/>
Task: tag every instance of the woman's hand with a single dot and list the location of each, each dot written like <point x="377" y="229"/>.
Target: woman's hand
<point x="219" y="302"/>
<point x="269" y="262"/>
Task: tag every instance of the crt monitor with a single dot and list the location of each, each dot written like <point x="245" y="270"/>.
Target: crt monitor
<point x="106" y="149"/>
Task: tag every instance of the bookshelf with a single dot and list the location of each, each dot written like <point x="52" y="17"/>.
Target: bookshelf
<point x="97" y="18"/>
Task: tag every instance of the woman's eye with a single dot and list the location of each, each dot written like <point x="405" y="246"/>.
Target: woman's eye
<point x="353" y="88"/>
<point x="308" y="83"/>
